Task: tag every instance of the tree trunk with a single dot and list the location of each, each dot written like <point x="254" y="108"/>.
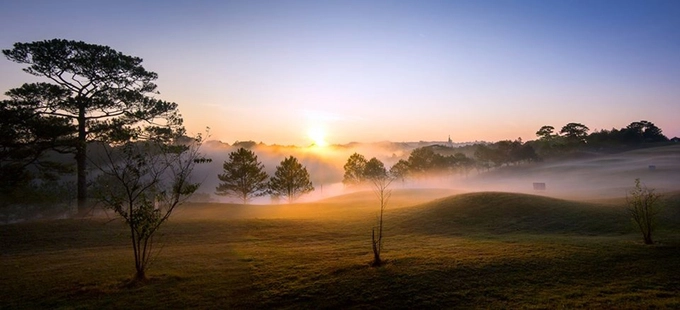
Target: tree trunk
<point x="140" y="276"/>
<point x="81" y="162"/>
<point x="376" y="251"/>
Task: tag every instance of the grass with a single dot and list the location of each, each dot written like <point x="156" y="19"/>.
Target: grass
<point x="475" y="250"/>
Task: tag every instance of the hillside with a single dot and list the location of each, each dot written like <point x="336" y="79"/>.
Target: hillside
<point x="502" y="213"/>
<point x="485" y="249"/>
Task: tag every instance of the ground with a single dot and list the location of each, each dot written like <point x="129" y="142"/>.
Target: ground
<point x="445" y="248"/>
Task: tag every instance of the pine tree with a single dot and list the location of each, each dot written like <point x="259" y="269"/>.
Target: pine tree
<point x="244" y="177"/>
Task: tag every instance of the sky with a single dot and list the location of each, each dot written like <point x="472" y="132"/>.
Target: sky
<point x="368" y="71"/>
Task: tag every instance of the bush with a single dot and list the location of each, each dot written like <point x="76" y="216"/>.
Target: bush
<point x="643" y="207"/>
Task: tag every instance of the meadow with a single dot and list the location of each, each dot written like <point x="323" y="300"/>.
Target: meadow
<point x="445" y="248"/>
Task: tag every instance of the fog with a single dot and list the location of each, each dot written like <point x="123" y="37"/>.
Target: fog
<point x="324" y="164"/>
<point x="589" y="177"/>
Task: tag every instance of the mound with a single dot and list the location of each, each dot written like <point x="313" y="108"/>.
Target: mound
<point x="498" y="212"/>
<point x="401" y="197"/>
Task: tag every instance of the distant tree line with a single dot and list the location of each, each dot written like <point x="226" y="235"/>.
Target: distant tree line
<point x="422" y="162"/>
<point x="575" y="137"/>
<point x="440" y="160"/>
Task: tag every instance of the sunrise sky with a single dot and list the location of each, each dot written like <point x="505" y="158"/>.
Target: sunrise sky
<point x="280" y="71"/>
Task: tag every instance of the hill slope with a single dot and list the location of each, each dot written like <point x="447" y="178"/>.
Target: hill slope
<point x="500" y="212"/>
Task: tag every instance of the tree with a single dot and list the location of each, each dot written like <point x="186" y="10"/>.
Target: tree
<point x="486" y="157"/>
<point x="425" y="160"/>
<point x="546" y="133"/>
<point x="525" y="152"/>
<point x="643" y="207"/>
<point x="143" y="183"/>
<point x="463" y="162"/>
<point x="291" y="180"/>
<point x="243" y="176"/>
<point x="575" y="132"/>
<point x="400" y="170"/>
<point x="99" y="91"/>
<point x="354" y="169"/>
<point x="548" y="141"/>
<point x="25" y="138"/>
<point x="643" y="131"/>
<point x="374" y="169"/>
<point x="381" y="180"/>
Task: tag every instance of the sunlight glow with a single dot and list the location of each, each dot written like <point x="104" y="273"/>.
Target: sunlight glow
<point x="318" y="136"/>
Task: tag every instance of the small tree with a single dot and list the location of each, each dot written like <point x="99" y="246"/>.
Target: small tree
<point x="643" y="208"/>
<point x="291" y="180"/>
<point x="243" y="177"/>
<point x="354" y="169"/>
<point x="381" y="180"/>
<point x="143" y="183"/>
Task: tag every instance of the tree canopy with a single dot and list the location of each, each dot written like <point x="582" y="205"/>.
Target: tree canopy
<point x="25" y="137"/>
<point x="575" y="132"/>
<point x="101" y="93"/>
<point x="291" y="180"/>
<point x="400" y="170"/>
<point x="243" y="176"/>
<point x="546" y="132"/>
<point x="375" y="170"/>
<point x="354" y="169"/>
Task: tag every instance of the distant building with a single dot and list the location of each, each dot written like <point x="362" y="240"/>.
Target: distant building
<point x="539" y="186"/>
<point x="450" y="142"/>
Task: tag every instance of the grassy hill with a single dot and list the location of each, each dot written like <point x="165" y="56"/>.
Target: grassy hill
<point x="498" y="212"/>
<point x="472" y="250"/>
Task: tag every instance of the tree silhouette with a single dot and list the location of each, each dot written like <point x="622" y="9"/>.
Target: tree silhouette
<point x="424" y="160"/>
<point x="290" y="180"/>
<point x="546" y="133"/>
<point x="575" y="132"/>
<point x="25" y="137"/>
<point x="354" y="169"/>
<point x="400" y="170"/>
<point x="643" y="208"/>
<point x="374" y="169"/>
<point x="643" y="131"/>
<point x="101" y="92"/>
<point x="376" y="173"/>
<point x="243" y="177"/>
<point x="143" y="183"/>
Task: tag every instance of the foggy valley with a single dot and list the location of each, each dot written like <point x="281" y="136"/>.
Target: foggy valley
<point x="386" y="154"/>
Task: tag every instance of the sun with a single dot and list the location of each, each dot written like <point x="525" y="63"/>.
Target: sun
<point x="318" y="136"/>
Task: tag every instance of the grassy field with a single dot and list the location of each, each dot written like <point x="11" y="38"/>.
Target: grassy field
<point x="443" y="250"/>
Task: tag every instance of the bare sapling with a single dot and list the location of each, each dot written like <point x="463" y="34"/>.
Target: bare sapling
<point x="643" y="207"/>
<point x="143" y="182"/>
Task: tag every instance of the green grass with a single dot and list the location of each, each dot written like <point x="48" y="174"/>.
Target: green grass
<point x="476" y="250"/>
